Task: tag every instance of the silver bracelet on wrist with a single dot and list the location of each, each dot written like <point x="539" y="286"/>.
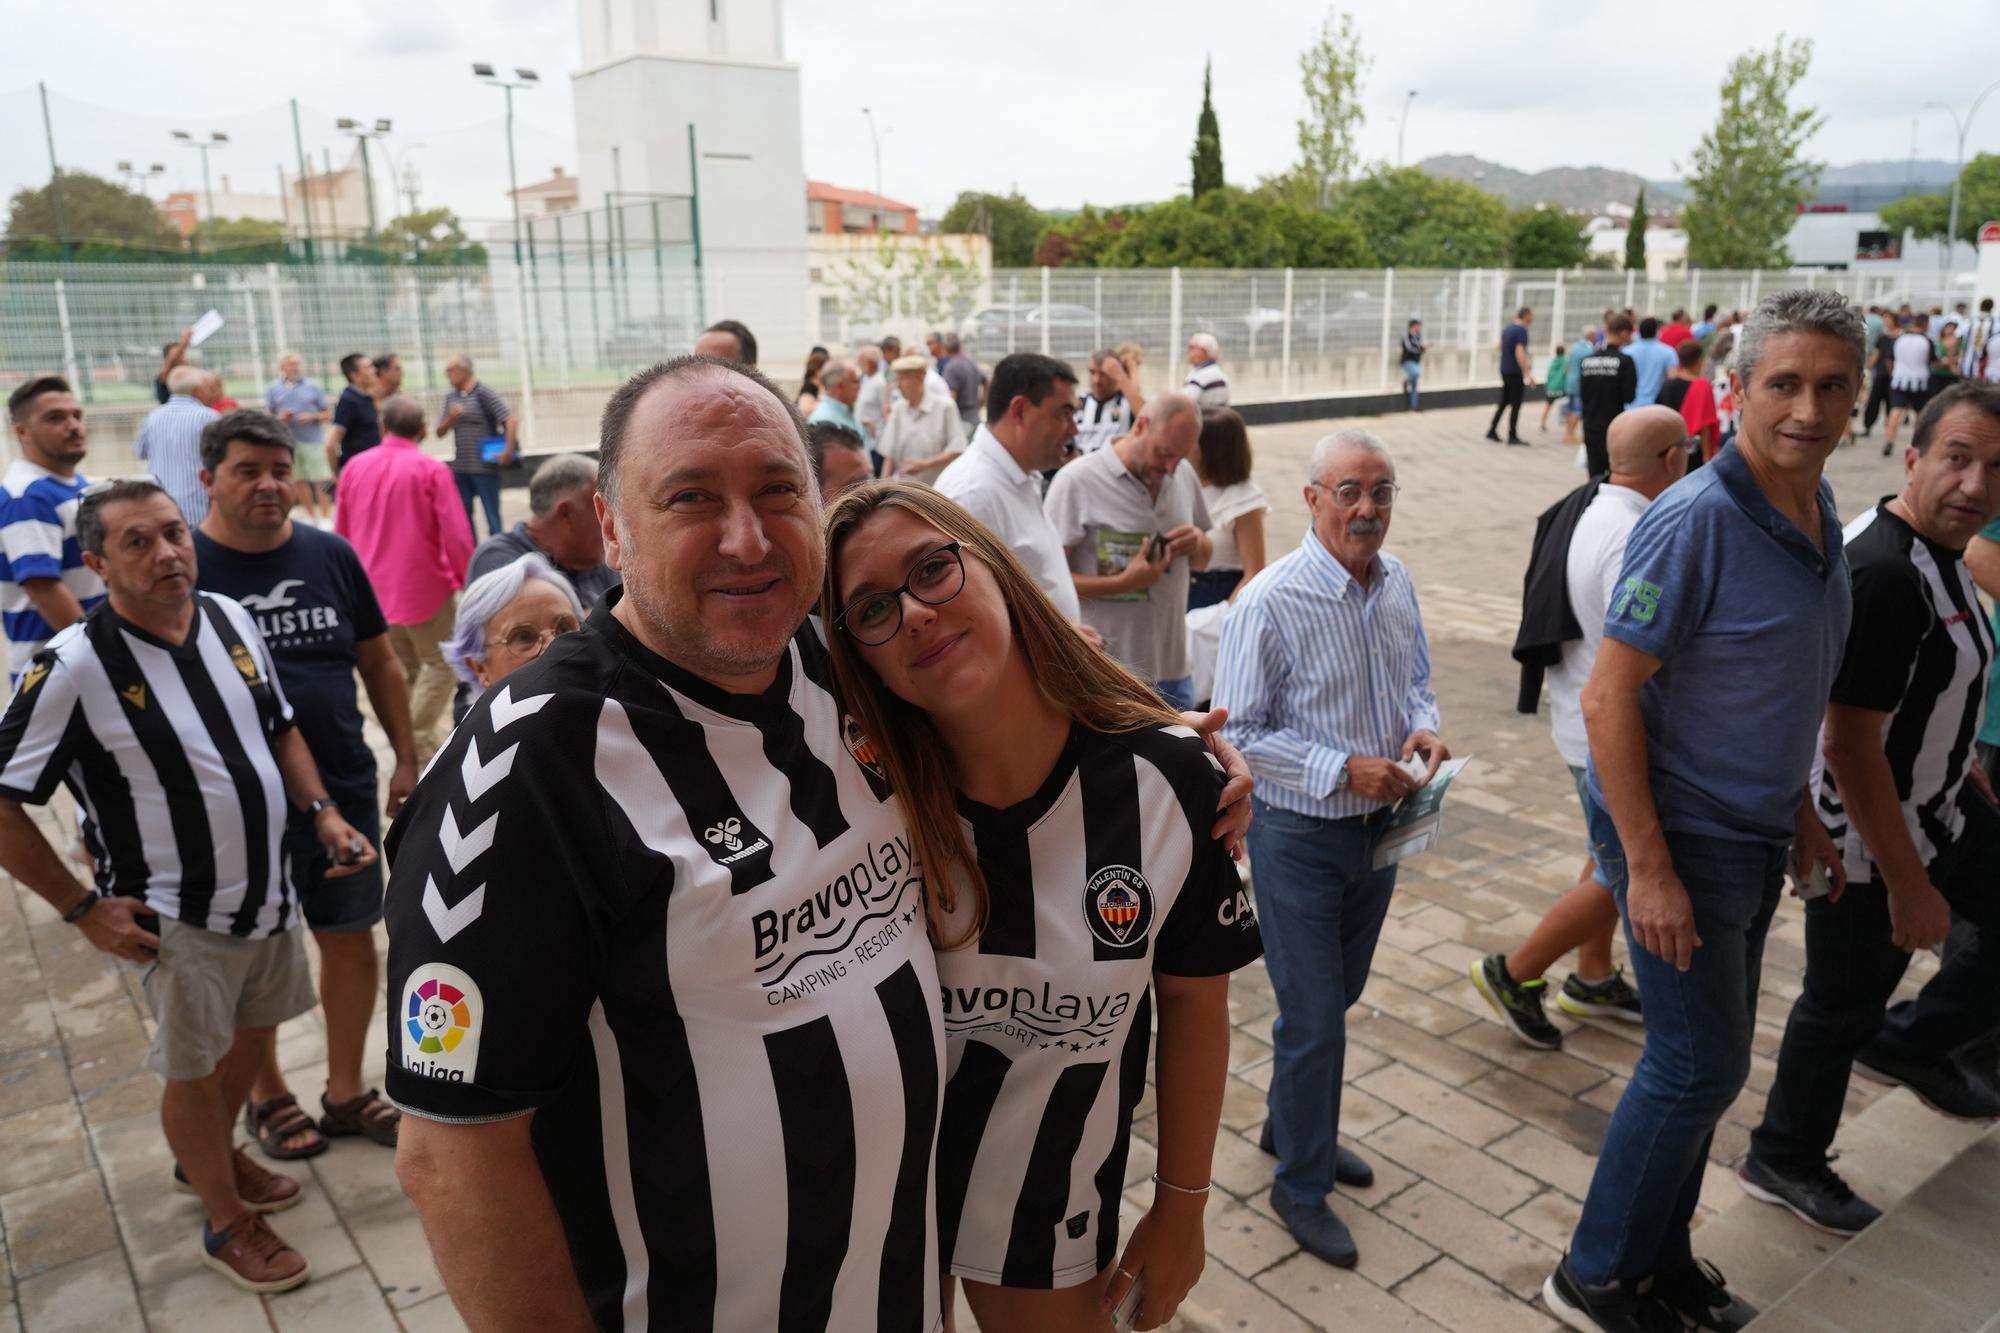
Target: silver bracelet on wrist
<point x="1180" y="1189"/>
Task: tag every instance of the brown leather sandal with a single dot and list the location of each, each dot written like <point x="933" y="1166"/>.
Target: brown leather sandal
<point x="272" y="1122"/>
<point x="367" y="1115"/>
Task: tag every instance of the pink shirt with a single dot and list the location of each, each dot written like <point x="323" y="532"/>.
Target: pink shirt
<point x="399" y="508"/>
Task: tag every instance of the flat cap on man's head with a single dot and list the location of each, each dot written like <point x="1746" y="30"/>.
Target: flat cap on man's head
<point x="914" y="361"/>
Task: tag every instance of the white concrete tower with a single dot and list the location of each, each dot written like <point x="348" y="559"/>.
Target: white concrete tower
<point x="653" y="67"/>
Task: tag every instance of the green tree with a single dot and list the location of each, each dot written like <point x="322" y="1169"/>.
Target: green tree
<point x="1635" y="234"/>
<point x="1546" y="238"/>
<point x="97" y="212"/>
<point x="931" y="286"/>
<point x="1750" y="172"/>
<point x="1008" y="221"/>
<point x="1412" y="219"/>
<point x="1314" y="238"/>
<point x="1225" y="228"/>
<point x="1929" y="215"/>
<point x="1207" y="155"/>
<point x="1331" y="69"/>
<point x="1081" y="241"/>
<point x="240" y="240"/>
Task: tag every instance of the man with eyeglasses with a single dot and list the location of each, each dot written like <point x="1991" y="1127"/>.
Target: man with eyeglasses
<point x="1326" y="675"/>
<point x="317" y="611"/>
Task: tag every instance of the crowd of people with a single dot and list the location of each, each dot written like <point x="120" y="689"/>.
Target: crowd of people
<point x="778" y="935"/>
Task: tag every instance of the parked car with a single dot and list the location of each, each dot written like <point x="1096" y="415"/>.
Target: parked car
<point x="1075" y="331"/>
<point x="642" y="342"/>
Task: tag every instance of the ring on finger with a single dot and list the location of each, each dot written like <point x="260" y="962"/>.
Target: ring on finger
<point x="1129" y="1277"/>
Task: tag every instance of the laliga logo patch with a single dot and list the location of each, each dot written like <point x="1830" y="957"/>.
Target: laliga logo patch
<point x="443" y="1018"/>
<point x="861" y="747"/>
<point x="1118" y="906"/>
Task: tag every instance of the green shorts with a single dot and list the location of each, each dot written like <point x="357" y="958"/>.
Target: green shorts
<point x="309" y="462"/>
<point x="206" y="986"/>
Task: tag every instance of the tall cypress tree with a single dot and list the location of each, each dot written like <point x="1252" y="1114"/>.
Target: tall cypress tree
<point x="1635" y="235"/>
<point x="1207" y="155"/>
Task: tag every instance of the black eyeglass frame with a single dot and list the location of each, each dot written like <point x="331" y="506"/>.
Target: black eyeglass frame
<point x="953" y="549"/>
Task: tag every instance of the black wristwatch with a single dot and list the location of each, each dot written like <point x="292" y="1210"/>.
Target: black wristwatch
<point x="81" y="910"/>
<point x="323" y="803"/>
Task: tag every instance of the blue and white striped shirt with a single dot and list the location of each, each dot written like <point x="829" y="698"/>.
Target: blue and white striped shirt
<point x="169" y="444"/>
<point x="1314" y="668"/>
<point x="38" y="541"/>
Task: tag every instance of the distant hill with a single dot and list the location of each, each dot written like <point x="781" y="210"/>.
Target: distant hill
<point x="1589" y="189"/>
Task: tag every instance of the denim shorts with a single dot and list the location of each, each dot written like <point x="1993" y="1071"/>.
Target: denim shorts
<point x="1581" y="777"/>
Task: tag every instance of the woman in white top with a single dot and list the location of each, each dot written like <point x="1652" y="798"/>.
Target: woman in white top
<point x="1236" y="506"/>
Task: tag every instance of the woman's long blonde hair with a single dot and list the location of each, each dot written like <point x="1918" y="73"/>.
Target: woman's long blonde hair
<point x="1082" y="680"/>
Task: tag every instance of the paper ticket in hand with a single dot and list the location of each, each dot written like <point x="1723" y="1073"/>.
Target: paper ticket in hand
<point x="205" y="328"/>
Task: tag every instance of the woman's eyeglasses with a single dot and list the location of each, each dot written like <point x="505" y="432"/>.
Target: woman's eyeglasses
<point x="936" y="578"/>
<point x="527" y="641"/>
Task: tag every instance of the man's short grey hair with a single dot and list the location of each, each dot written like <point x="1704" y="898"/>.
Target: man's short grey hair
<point x="557" y="479"/>
<point x="461" y="358"/>
<point x="290" y="356"/>
<point x="486" y="598"/>
<point x="1162" y="409"/>
<point x="1329" y="445"/>
<point x="403" y="415"/>
<point x="186" y="379"/>
<point x="1800" y="310"/>
<point x="833" y="372"/>
<point x="1207" y="343"/>
<point x="951" y="343"/>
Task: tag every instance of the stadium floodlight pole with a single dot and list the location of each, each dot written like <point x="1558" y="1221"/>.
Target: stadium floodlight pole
<point x="1403" y="123"/>
<point x="55" y="177"/>
<point x="216" y="138"/>
<point x="348" y="125"/>
<point x="1964" y="127"/>
<point x="523" y="78"/>
<point x="876" y="140"/>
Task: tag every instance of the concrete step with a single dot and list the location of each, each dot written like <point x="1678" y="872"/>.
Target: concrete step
<point x="1904" y="1159"/>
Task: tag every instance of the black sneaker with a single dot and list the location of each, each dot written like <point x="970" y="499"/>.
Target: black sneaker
<point x="1699" y="1296"/>
<point x="1620" y="1307"/>
<point x="1938" y="1083"/>
<point x="1819" y="1198"/>
<point x="1613" y="997"/>
<point x="1493" y="436"/>
<point x="1519" y="1003"/>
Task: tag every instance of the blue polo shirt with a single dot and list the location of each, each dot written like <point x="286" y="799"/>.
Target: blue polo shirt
<point x="1749" y="622"/>
<point x="1654" y="361"/>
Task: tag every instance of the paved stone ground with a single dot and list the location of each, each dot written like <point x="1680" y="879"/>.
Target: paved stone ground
<point x="1481" y="1147"/>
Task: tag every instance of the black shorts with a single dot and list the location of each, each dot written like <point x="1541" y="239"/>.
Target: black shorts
<point x="1910" y="398"/>
<point x="351" y="903"/>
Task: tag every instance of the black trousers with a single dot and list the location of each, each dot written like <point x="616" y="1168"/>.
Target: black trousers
<point x="1878" y="399"/>
<point x="1852" y="968"/>
<point x="1597" y="449"/>
<point x="1510" y="396"/>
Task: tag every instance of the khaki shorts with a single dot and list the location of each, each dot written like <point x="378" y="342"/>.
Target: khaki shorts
<point x="206" y="986"/>
<point x="309" y="462"/>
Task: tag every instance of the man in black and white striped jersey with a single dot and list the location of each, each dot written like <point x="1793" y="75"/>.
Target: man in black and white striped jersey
<point x="665" y="1016"/>
<point x="162" y="714"/>
<point x="1904" y="797"/>
<point x="1112" y="405"/>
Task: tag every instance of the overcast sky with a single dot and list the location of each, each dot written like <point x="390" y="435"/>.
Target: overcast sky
<point x="1069" y="103"/>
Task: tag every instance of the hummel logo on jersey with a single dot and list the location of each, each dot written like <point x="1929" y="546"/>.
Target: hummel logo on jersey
<point x="1118" y="906"/>
<point x="728" y="835"/>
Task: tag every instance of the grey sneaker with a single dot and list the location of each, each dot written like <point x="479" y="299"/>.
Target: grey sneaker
<point x="1819" y="1198"/>
<point x="1613" y="997"/>
<point x="1518" y="1003"/>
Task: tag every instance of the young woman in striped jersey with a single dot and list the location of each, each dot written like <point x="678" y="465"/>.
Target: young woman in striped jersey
<point x="1063" y="815"/>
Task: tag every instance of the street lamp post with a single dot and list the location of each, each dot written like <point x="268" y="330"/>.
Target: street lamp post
<point x="350" y="126"/>
<point x="876" y="140"/>
<point x="216" y="138"/>
<point x="1964" y="127"/>
<point x="1403" y="123"/>
<point x="523" y="78"/>
<point x="137" y="179"/>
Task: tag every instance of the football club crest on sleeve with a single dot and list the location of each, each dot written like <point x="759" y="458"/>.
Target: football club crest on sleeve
<point x="1118" y="906"/>
<point x="860" y="746"/>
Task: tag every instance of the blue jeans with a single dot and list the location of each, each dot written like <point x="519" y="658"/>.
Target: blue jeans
<point x="1412" y="372"/>
<point x="1321" y="910"/>
<point x="1698" y="1026"/>
<point x="487" y="489"/>
<point x="1179" y="693"/>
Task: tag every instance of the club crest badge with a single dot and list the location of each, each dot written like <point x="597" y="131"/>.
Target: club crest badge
<point x="861" y="747"/>
<point x="1118" y="906"/>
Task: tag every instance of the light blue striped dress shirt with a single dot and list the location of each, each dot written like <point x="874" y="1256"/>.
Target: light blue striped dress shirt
<point x="1314" y="668"/>
<point x="170" y="445"/>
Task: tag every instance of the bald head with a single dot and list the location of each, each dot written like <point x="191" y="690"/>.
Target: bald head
<point x="1646" y="450"/>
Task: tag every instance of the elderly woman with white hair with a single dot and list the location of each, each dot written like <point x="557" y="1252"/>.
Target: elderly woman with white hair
<point x="508" y="618"/>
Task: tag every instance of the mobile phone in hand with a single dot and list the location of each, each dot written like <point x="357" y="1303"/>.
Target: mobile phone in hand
<point x="1128" y="1309"/>
<point x="1810" y="882"/>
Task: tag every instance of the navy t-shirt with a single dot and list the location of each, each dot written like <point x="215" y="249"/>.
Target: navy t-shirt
<point x="355" y="415"/>
<point x="1513" y="337"/>
<point x="312" y="601"/>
